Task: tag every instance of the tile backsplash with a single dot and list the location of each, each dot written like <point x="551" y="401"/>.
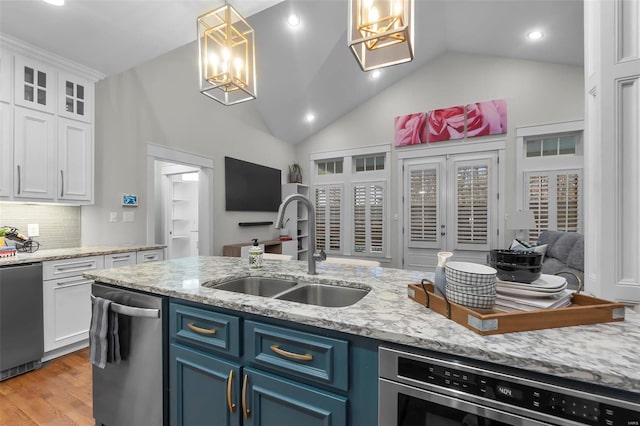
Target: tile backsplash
<point x="59" y="225"/>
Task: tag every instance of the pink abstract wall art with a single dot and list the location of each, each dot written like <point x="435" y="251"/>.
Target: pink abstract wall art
<point x="410" y="129"/>
<point x="446" y="124"/>
<point x="486" y="118"/>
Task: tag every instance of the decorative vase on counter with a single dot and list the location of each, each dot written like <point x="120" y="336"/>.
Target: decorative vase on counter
<point x="440" y="280"/>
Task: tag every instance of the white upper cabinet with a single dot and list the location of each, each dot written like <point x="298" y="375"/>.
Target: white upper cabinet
<point x="75" y="160"/>
<point x="6" y="72"/>
<point x="34" y="84"/>
<point x="34" y="155"/>
<point x="75" y="97"/>
<point x="6" y="149"/>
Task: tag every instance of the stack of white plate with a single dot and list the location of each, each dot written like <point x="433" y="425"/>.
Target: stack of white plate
<point x="471" y="284"/>
<point x="547" y="292"/>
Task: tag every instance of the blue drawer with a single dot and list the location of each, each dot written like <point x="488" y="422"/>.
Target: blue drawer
<point x="314" y="357"/>
<point x="211" y="331"/>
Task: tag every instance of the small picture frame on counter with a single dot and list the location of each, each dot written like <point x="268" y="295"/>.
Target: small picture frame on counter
<point x="130" y="200"/>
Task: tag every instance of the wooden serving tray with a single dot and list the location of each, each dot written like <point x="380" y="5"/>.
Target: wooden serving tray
<point x="583" y="310"/>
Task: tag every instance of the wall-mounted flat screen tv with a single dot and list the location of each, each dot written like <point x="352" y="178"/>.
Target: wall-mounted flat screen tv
<point x="251" y="187"/>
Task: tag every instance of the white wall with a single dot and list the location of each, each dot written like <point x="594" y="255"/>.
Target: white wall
<point x="535" y="92"/>
<point x="159" y="102"/>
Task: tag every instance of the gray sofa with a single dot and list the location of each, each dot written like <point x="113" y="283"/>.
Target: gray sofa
<point x="564" y="255"/>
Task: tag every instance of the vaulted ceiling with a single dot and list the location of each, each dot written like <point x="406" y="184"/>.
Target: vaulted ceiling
<point x="309" y="68"/>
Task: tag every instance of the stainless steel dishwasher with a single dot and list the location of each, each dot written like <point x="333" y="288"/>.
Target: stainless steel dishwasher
<point x="135" y="391"/>
<point x="21" y="327"/>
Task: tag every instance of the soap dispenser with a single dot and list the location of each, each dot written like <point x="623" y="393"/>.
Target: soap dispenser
<point x="255" y="255"/>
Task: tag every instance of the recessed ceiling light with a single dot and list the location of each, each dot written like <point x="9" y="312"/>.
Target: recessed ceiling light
<point x="310" y="117"/>
<point x="293" y="20"/>
<point x="375" y="74"/>
<point x="55" y="2"/>
<point x="535" y="35"/>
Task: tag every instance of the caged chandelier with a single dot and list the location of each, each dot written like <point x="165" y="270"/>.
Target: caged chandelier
<point x="226" y="53"/>
<point x="381" y="32"/>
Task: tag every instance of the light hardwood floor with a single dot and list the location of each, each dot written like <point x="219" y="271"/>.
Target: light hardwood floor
<point x="57" y="394"/>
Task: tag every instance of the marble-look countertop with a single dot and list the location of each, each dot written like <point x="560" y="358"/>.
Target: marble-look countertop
<point x="606" y="354"/>
<point x="69" y="253"/>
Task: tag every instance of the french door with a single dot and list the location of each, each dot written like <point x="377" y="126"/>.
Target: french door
<point x="450" y="203"/>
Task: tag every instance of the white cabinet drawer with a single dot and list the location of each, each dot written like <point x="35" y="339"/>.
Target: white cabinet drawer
<point x="119" y="259"/>
<point x="69" y="267"/>
<point x="147" y="256"/>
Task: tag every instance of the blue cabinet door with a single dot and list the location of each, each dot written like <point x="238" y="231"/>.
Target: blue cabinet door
<point x="272" y="401"/>
<point x="204" y="390"/>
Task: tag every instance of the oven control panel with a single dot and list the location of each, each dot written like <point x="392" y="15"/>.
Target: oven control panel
<point x="584" y="409"/>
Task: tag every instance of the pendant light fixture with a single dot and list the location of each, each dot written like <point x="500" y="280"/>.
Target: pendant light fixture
<point x="381" y="32"/>
<point x="226" y="52"/>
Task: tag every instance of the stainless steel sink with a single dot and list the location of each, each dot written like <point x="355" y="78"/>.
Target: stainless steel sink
<point x="324" y="295"/>
<point x="256" y="286"/>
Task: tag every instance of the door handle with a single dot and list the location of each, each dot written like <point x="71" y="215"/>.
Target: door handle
<point x="62" y="183"/>
<point x="247" y="412"/>
<point x="199" y="330"/>
<point x="19" y="178"/>
<point x="443" y="233"/>
<point x="230" y="404"/>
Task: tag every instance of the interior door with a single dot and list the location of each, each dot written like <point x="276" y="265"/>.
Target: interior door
<point x="449" y="204"/>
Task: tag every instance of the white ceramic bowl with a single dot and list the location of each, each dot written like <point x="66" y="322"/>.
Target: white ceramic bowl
<point x="471" y="300"/>
<point x="484" y="289"/>
<point x="470" y="273"/>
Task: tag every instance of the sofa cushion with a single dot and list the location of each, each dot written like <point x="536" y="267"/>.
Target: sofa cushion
<point x="575" y="259"/>
<point x="562" y="247"/>
<point x="549" y="238"/>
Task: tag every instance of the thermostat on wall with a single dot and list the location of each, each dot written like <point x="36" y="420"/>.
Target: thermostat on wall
<point x="130" y="200"/>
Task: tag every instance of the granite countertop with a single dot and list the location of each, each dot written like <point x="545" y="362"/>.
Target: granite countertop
<point x="605" y="354"/>
<point x="69" y="253"/>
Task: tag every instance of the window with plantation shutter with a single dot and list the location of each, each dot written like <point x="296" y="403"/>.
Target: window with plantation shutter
<point x="472" y="204"/>
<point x="351" y="201"/>
<point x="555" y="198"/>
<point x="368" y="218"/>
<point x="423" y="206"/>
<point x="328" y="202"/>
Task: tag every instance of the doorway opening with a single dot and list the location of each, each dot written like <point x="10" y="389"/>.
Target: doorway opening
<point x="180" y="192"/>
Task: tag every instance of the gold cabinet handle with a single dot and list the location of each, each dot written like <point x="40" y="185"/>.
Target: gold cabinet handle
<point x="230" y="404"/>
<point x="207" y="331"/>
<point x="247" y="412"/>
<point x="305" y="357"/>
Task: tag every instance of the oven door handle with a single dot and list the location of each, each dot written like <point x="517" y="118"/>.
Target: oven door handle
<point x="131" y="311"/>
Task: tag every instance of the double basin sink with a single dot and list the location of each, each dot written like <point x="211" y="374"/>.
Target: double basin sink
<point x="293" y="291"/>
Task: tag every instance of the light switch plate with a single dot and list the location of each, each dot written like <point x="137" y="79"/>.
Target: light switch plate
<point x="113" y="216"/>
<point x="33" y="230"/>
<point x="128" y="216"/>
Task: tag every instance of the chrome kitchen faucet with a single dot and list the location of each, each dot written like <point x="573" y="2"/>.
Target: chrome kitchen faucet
<point x="315" y="256"/>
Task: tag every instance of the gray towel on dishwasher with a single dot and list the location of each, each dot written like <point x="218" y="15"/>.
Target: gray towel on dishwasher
<point x="104" y="342"/>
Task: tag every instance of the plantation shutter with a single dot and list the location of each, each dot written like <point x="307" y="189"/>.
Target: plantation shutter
<point x="568" y="201"/>
<point x="555" y="198"/>
<point x="328" y="202"/>
<point x="423" y="207"/>
<point x="368" y="218"/>
<point x="539" y="203"/>
<point x="472" y="205"/>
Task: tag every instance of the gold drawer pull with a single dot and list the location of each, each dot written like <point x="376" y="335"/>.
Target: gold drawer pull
<point x="246" y="410"/>
<point x="230" y="404"/>
<point x="207" y="331"/>
<point x="305" y="357"/>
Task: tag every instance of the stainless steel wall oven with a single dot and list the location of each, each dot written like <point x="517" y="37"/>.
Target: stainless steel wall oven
<point x="433" y="389"/>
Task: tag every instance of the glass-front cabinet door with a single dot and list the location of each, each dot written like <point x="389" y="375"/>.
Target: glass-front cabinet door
<point x="34" y="84"/>
<point x="75" y="97"/>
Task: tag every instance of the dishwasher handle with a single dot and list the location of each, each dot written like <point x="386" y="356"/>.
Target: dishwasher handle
<point x="132" y="311"/>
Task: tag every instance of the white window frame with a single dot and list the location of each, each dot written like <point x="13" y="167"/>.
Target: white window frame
<point x="557" y="163"/>
<point x="348" y="178"/>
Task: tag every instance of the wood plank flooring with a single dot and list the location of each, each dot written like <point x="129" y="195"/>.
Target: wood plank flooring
<point x="57" y="394"/>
